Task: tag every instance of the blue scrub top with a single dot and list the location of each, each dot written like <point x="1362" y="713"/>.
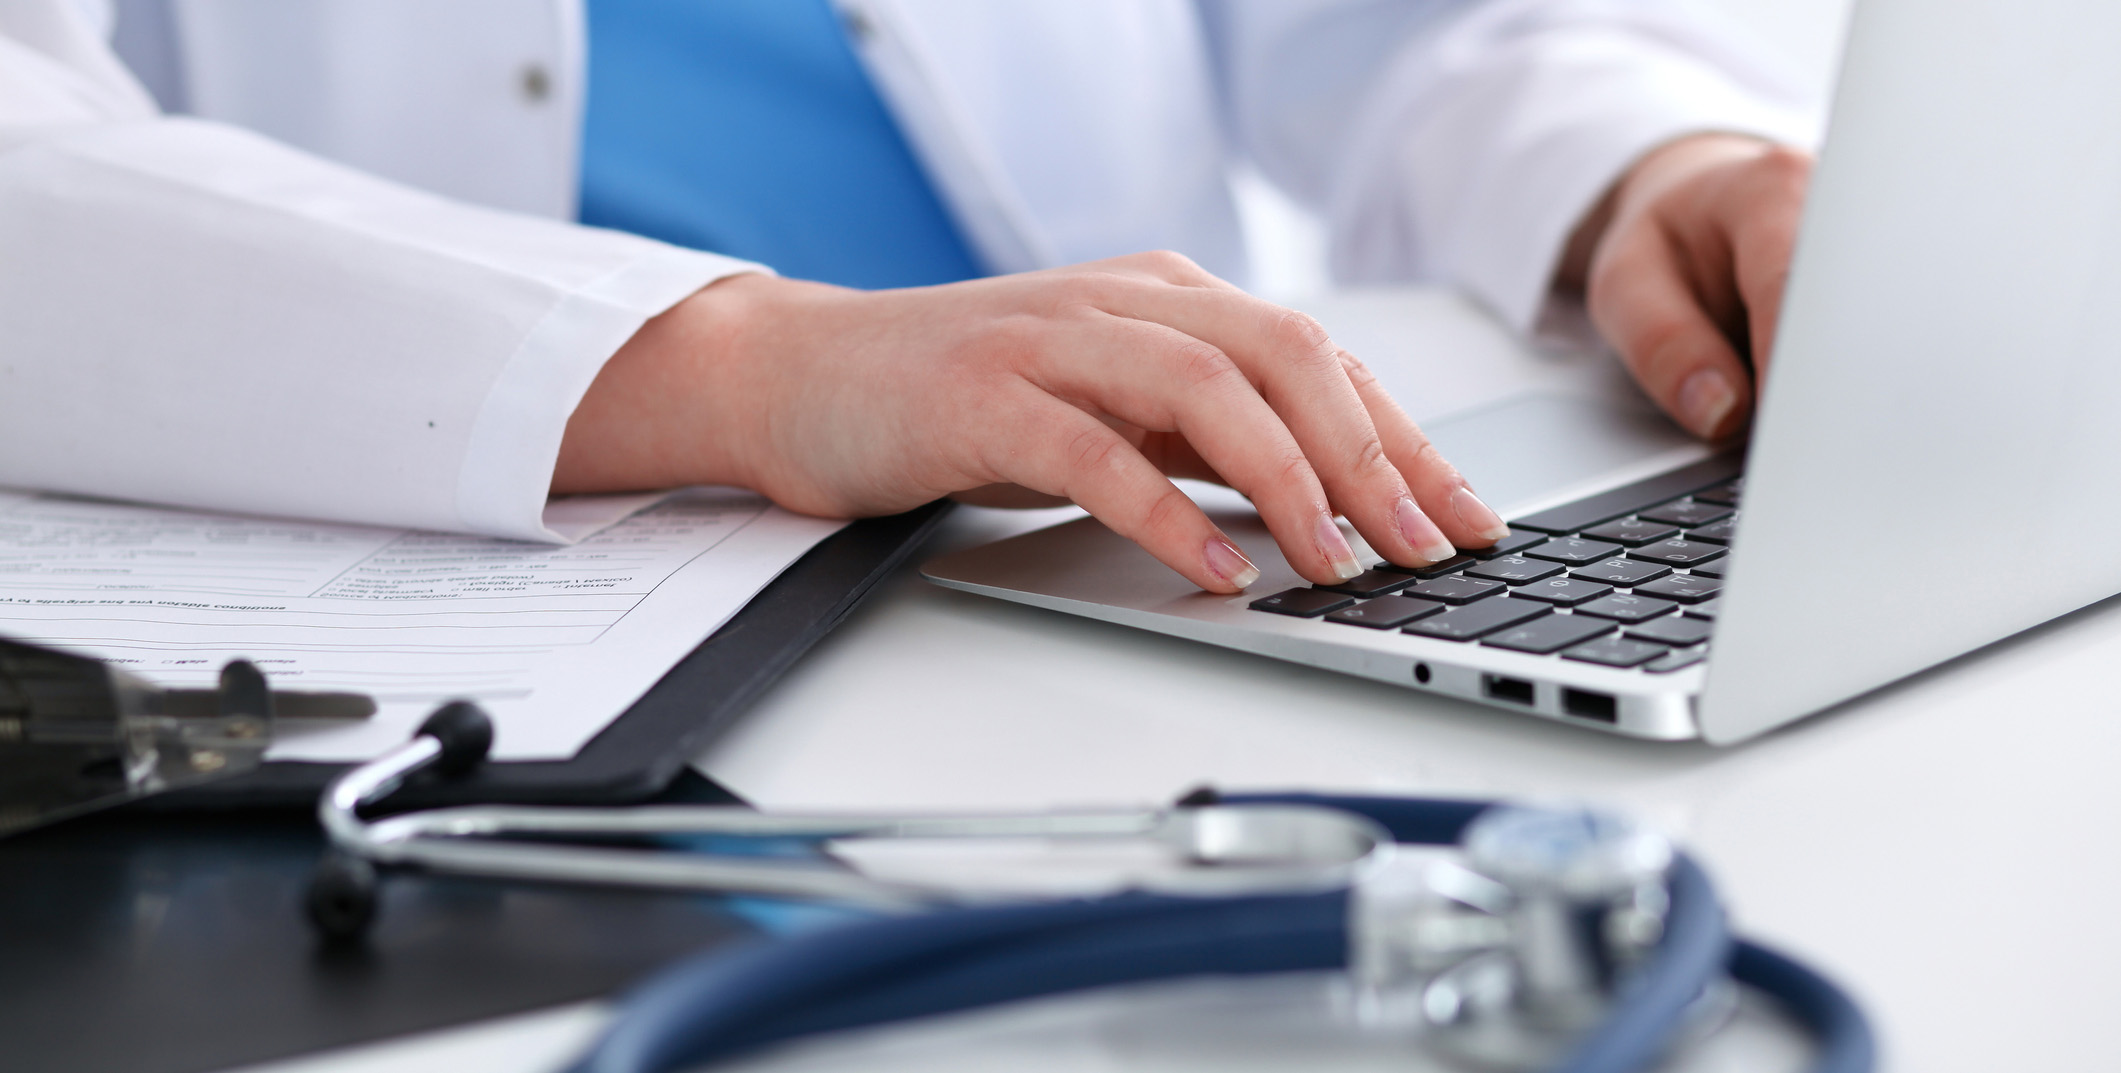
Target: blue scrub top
<point x="749" y="128"/>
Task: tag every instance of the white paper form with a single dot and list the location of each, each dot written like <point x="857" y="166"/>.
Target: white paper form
<point x="554" y="641"/>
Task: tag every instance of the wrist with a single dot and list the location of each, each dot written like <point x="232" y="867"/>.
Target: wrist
<point x="671" y="406"/>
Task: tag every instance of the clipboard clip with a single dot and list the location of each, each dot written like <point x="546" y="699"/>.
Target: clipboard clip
<point x="78" y="734"/>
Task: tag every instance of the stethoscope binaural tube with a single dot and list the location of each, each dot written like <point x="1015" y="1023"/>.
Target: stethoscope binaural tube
<point x="878" y="971"/>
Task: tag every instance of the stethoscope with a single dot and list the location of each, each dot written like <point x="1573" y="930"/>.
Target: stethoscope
<point x="1555" y="939"/>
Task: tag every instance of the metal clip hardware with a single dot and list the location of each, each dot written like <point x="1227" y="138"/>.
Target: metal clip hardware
<point x="77" y="734"/>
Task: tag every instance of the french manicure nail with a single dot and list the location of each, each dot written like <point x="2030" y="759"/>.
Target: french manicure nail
<point x="1228" y="563"/>
<point x="1705" y="400"/>
<point x="1335" y="548"/>
<point x="1421" y="533"/>
<point x="1477" y="516"/>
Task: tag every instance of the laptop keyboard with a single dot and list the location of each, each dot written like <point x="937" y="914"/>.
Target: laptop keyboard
<point x="1627" y="578"/>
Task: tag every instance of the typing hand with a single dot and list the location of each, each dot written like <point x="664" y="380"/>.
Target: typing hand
<point x="1095" y="383"/>
<point x="1684" y="265"/>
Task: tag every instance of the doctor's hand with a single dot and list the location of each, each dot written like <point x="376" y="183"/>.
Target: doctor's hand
<point x="1095" y="383"/>
<point x="1683" y="265"/>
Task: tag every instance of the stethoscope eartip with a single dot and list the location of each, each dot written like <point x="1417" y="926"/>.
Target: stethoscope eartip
<point x="465" y="733"/>
<point x="342" y="898"/>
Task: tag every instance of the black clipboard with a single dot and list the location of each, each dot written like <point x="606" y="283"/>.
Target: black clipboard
<point x="639" y="754"/>
<point x="159" y="939"/>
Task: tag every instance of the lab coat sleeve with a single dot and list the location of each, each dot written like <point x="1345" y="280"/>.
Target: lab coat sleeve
<point x="194" y="315"/>
<point x="1462" y="140"/>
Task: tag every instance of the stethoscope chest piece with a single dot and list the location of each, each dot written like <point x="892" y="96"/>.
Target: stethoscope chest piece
<point x="1508" y="953"/>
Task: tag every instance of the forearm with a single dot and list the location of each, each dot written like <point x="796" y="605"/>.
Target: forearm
<point x="292" y="337"/>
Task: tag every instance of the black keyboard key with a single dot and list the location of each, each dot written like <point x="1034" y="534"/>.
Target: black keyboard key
<point x="1451" y="565"/>
<point x="1683" y="658"/>
<point x="1616" y="652"/>
<point x="1547" y="635"/>
<point x="1565" y="591"/>
<point x="1516" y="542"/>
<point x="1386" y="612"/>
<point x="1719" y="569"/>
<point x="1303" y="603"/>
<point x="1456" y="589"/>
<point x="1473" y="620"/>
<point x="1716" y="532"/>
<point x="1675" y="631"/>
<point x="1677" y="551"/>
<point x="1572" y="551"/>
<point x="1621" y="608"/>
<point x="1685" y="588"/>
<point x="1371" y="583"/>
<point x="1687" y="513"/>
<point x="1632" y="531"/>
<point x="1606" y="506"/>
<point x="1438" y="569"/>
<point x="1707" y="610"/>
<point x="1514" y="569"/>
<point x="1726" y="493"/>
<point x="1627" y="572"/>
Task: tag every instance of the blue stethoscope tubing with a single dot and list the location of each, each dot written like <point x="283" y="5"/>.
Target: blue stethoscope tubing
<point x="897" y="968"/>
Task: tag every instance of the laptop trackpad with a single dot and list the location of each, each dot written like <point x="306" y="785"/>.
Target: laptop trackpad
<point x="1530" y="448"/>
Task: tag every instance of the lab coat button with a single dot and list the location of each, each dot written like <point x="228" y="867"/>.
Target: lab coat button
<point x="536" y="83"/>
<point x="857" y="26"/>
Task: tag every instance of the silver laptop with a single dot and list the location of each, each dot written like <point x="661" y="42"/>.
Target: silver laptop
<point x="1936" y="454"/>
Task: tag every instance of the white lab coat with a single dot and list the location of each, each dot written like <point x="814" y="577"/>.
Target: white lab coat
<point x="383" y="329"/>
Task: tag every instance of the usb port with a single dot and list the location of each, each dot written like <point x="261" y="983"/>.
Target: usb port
<point x="1585" y="704"/>
<point x="1514" y="690"/>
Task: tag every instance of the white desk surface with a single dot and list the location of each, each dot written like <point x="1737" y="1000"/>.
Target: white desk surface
<point x="1946" y="848"/>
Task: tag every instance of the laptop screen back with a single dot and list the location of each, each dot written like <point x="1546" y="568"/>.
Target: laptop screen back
<point x="1937" y="463"/>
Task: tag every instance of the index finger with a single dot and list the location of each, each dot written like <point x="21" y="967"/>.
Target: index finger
<point x="1434" y="479"/>
<point x="1644" y="306"/>
<point x="1063" y="451"/>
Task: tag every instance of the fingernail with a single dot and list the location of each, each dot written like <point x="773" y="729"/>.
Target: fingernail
<point x="1335" y="548"/>
<point x="1478" y="516"/>
<point x="1705" y="400"/>
<point x="1228" y="563"/>
<point x="1421" y="533"/>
